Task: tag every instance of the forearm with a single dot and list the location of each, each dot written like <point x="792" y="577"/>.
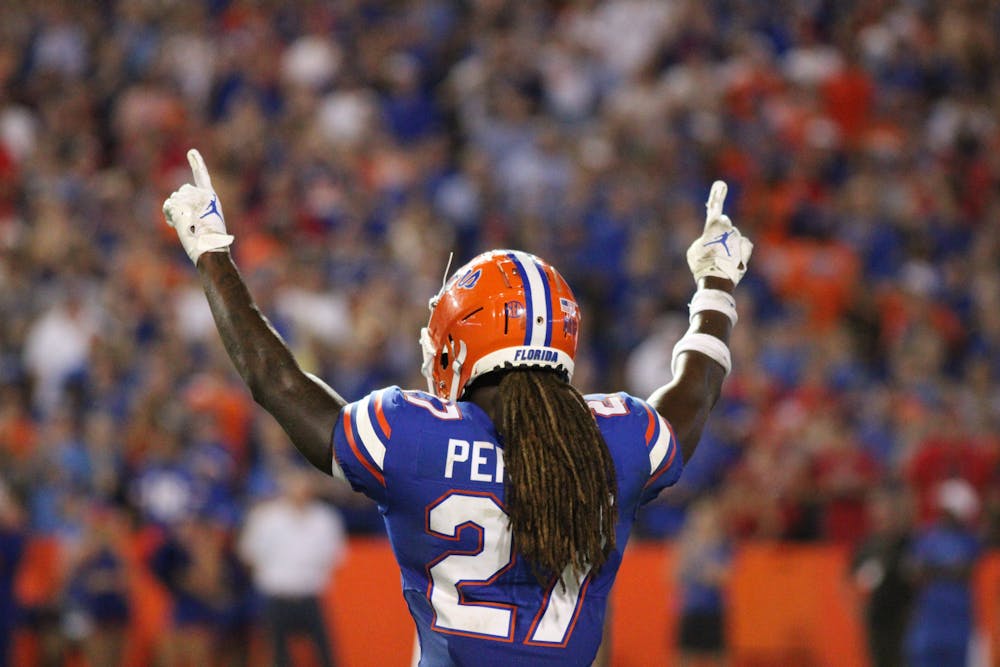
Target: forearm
<point x="254" y="347"/>
<point x="688" y="399"/>
<point x="305" y="408"/>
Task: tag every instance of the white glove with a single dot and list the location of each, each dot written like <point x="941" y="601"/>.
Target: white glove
<point x="721" y="251"/>
<point x="195" y="213"/>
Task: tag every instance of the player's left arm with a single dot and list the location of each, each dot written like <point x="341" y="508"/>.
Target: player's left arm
<point x="701" y="359"/>
<point x="305" y="406"/>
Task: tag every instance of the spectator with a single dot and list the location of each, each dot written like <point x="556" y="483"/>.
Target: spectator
<point x="843" y="474"/>
<point x="941" y="560"/>
<point x="164" y="490"/>
<point x="704" y="560"/>
<point x="58" y="345"/>
<point x="879" y="575"/>
<point x="205" y="579"/>
<point x="292" y="544"/>
<point x="97" y="608"/>
<point x="950" y="451"/>
<point x="13" y="535"/>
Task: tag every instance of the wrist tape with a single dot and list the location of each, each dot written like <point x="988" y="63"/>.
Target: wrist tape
<point x="705" y="343"/>
<point x="714" y="299"/>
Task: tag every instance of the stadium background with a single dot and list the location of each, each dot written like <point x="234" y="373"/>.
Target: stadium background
<point x="355" y="144"/>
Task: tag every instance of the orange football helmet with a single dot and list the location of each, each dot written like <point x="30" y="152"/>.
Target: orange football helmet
<point x="503" y="309"/>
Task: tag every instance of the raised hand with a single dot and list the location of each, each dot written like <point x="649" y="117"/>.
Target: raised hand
<point x="195" y="213"/>
<point x="721" y="251"/>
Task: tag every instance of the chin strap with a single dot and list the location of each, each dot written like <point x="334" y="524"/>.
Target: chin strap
<point x="456" y="370"/>
<point x="429" y="354"/>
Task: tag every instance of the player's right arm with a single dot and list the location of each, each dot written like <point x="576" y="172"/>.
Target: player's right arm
<point x="305" y="406"/>
<point x="701" y="361"/>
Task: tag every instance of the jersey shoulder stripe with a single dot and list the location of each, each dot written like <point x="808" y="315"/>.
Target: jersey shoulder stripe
<point x="380" y="414"/>
<point x="661" y="442"/>
<point x="653" y="449"/>
<point x="362" y="440"/>
<point x="372" y="442"/>
<point x="353" y="435"/>
<point x="652" y="425"/>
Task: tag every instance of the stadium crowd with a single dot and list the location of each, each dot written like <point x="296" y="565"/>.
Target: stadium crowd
<point x="355" y="144"/>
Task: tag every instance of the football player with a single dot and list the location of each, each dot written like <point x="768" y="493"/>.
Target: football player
<point x="508" y="496"/>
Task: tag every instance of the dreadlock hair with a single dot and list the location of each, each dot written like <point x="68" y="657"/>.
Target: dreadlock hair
<point x="560" y="484"/>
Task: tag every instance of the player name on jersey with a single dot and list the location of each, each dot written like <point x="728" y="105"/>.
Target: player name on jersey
<point x="479" y="461"/>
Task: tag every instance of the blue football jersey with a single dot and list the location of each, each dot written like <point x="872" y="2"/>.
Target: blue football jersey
<point x="436" y="470"/>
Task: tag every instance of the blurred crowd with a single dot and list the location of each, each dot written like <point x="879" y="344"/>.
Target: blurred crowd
<point x="356" y="144"/>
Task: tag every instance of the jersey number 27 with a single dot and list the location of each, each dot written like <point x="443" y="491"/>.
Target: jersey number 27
<point x="456" y="571"/>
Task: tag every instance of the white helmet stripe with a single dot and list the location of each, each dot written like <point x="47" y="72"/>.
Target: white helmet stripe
<point x="537" y="305"/>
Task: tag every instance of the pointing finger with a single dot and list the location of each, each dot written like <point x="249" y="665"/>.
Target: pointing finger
<point x="198" y="168"/>
<point x="716" y="198"/>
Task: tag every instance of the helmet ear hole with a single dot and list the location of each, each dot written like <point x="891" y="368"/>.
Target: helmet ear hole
<point x="444" y="352"/>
